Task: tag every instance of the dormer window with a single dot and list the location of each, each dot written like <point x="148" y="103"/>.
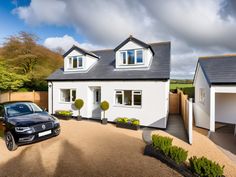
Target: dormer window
<point x="75" y="62"/>
<point x="132" y="57"/>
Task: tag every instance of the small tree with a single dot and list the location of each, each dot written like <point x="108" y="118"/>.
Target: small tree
<point x="104" y="106"/>
<point x="79" y="103"/>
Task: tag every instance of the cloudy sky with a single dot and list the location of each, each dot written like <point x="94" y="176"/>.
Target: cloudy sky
<point x="195" y="28"/>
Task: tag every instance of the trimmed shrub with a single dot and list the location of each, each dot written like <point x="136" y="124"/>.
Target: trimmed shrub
<point x="204" y="167"/>
<point x="178" y="154"/>
<point x="135" y="121"/>
<point x="64" y="113"/>
<point x="128" y="121"/>
<point x="104" y="106"/>
<point x="162" y="143"/>
<point x="79" y="103"/>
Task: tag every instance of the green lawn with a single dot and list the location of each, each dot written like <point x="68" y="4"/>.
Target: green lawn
<point x="174" y="86"/>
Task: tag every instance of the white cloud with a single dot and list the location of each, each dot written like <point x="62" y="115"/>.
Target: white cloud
<point x="66" y="42"/>
<point x="194" y="27"/>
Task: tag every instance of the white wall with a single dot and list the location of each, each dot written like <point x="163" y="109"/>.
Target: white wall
<point x="88" y="62"/>
<point x="155" y="100"/>
<point x="201" y="110"/>
<point x="225" y="108"/>
<point x="147" y="56"/>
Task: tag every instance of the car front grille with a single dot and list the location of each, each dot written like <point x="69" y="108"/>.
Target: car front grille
<point x="43" y="126"/>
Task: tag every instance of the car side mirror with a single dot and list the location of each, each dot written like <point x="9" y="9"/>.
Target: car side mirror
<point x="44" y="109"/>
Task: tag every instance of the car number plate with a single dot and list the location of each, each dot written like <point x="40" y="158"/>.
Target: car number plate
<point x="45" y="133"/>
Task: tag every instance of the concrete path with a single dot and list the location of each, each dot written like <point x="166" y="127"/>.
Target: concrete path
<point x="225" y="139"/>
<point x="175" y="127"/>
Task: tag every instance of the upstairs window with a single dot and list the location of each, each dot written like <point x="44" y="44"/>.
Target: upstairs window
<point x="132" y="57"/>
<point x="75" y="62"/>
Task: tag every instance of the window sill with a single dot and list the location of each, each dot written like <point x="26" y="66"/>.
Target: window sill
<point x="128" y="106"/>
<point x="61" y="102"/>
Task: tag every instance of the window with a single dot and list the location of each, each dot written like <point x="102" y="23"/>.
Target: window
<point x="139" y="56"/>
<point x="68" y="95"/>
<point x="202" y="95"/>
<point x="131" y="57"/>
<point x="75" y="62"/>
<point x="137" y="98"/>
<point x="130" y="54"/>
<point x="128" y="98"/>
<point x="80" y="61"/>
<point x="123" y="57"/>
<point x="119" y="97"/>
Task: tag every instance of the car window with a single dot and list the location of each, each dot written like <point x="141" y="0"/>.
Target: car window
<point x="17" y="109"/>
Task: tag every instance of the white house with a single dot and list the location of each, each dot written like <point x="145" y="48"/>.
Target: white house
<point x="133" y="78"/>
<point x="215" y="91"/>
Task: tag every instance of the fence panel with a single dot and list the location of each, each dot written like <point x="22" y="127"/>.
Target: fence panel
<point x="39" y="97"/>
<point x="174" y="103"/>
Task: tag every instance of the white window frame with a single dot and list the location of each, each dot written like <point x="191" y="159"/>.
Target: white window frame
<point x="135" y="57"/>
<point x="72" y="62"/>
<point x="123" y="97"/>
<point x="202" y="95"/>
<point x="71" y="90"/>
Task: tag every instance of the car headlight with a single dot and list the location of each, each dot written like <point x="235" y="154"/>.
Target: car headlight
<point x="22" y="129"/>
<point x="56" y="121"/>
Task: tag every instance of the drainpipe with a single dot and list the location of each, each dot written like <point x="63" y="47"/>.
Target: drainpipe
<point x="51" y="86"/>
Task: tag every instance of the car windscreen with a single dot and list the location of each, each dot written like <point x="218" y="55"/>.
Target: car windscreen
<point x="18" y="109"/>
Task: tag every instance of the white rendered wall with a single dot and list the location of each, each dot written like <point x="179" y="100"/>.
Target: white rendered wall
<point x="201" y="110"/>
<point x="155" y="100"/>
<point x="147" y="57"/>
<point x="88" y="62"/>
<point x="225" y="108"/>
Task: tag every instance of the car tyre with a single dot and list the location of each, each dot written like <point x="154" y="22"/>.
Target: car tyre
<point x="10" y="141"/>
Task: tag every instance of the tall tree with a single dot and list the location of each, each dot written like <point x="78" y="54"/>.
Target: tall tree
<point x="22" y="53"/>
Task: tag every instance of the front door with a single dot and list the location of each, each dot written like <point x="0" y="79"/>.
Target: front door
<point x="96" y="103"/>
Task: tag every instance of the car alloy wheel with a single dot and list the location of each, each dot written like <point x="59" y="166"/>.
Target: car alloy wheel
<point x="10" y="142"/>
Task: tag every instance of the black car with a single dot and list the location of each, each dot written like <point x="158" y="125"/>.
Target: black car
<point x="26" y="123"/>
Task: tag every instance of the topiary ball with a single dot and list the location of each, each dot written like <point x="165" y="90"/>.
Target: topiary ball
<point x="79" y="103"/>
<point x="104" y="105"/>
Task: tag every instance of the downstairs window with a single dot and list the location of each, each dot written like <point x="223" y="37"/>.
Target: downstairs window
<point x="128" y="97"/>
<point x="68" y="95"/>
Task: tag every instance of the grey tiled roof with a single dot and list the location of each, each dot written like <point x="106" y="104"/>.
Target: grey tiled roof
<point x="219" y="69"/>
<point x="105" y="67"/>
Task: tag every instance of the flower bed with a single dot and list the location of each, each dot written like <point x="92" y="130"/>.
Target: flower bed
<point x="63" y="114"/>
<point x="175" y="157"/>
<point x="132" y="124"/>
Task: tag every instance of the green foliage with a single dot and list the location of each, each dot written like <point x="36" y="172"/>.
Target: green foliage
<point x="10" y="80"/>
<point x="135" y="121"/>
<point x="178" y="154"/>
<point x="189" y="91"/>
<point x="26" y="59"/>
<point x="104" y="105"/>
<point x="162" y="143"/>
<point x="128" y="121"/>
<point x="79" y="103"/>
<point x="64" y="113"/>
<point x="23" y="89"/>
<point x="205" y="168"/>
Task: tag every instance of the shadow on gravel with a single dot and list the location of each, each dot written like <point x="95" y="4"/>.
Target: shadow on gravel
<point x="19" y="166"/>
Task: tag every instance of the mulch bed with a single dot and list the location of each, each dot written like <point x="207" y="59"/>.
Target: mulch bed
<point x="127" y="126"/>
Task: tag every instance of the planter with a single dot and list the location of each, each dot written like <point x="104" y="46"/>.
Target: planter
<point x="104" y="121"/>
<point x="181" y="168"/>
<point x="63" y="117"/>
<point x="127" y="126"/>
<point x="79" y="118"/>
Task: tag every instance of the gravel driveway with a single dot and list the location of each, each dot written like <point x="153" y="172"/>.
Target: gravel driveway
<point x="84" y="148"/>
